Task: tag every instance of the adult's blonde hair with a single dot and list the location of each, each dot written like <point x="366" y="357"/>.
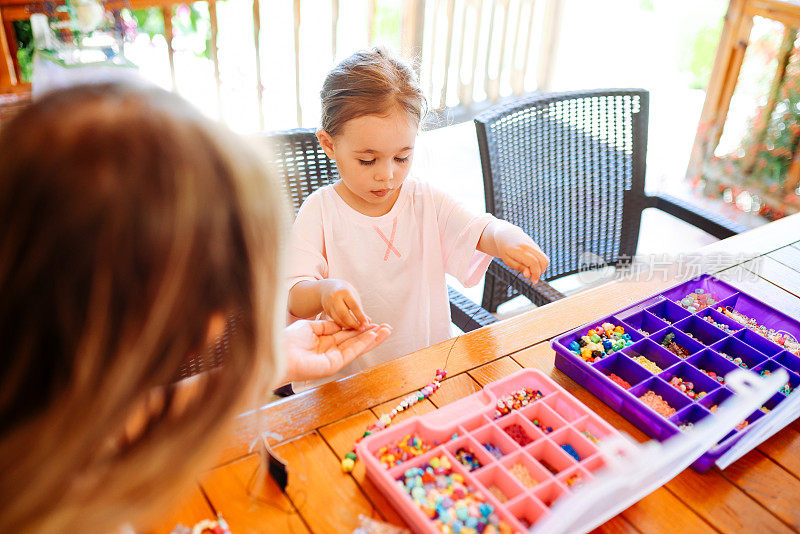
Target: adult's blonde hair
<point x="128" y="223"/>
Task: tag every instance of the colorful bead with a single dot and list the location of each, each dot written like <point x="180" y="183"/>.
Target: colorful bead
<point x="516" y="400"/>
<point x="698" y="300"/>
<point x="518" y="434"/>
<point x="444" y="496"/>
<point x="590" y="436"/>
<point x="523" y="475"/>
<point x="712" y="374"/>
<point x="621" y="382"/>
<point x="657" y="403"/>
<point x="722" y="326"/>
<point x="575" y="480"/>
<point x="779" y="338"/>
<point x="678" y="350"/>
<point x="348" y="464"/>
<point x="569" y="449"/>
<point x="493" y="450"/>
<point x="600" y="341"/>
<point x="469" y="460"/>
<point x="397" y="454"/>
<point x="545" y="429"/>
<point x="738" y="361"/>
<point x="687" y="388"/>
<point x="647" y="364"/>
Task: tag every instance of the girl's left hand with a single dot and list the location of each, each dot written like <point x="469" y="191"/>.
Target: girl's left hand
<point x="318" y="349"/>
<point x="523" y="255"/>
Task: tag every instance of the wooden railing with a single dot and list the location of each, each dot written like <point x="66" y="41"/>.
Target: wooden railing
<point x="727" y="67"/>
<point x="471" y="51"/>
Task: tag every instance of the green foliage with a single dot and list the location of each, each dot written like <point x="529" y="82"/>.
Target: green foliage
<point x="387" y="23"/>
<point x="698" y="56"/>
<point x="149" y="21"/>
<point x="24" y="36"/>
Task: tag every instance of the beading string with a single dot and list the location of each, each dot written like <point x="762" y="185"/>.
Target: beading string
<point x="385" y="420"/>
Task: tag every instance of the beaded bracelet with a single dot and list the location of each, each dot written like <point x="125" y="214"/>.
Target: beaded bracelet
<point x="349" y="460"/>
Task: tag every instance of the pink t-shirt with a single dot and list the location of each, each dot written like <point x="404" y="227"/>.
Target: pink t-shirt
<point x="397" y="262"/>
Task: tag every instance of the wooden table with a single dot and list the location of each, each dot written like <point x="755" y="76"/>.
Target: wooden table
<point x="759" y="492"/>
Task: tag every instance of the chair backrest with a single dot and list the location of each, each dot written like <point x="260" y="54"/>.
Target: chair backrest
<point x="300" y="162"/>
<point x="569" y="169"/>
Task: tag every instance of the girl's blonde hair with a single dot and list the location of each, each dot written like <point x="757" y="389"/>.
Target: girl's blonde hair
<point x="369" y="82"/>
<point x="129" y="222"/>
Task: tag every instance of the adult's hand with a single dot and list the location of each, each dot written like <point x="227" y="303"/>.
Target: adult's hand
<point x="317" y="349"/>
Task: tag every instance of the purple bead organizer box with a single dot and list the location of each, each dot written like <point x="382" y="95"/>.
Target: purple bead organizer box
<point x="717" y="342"/>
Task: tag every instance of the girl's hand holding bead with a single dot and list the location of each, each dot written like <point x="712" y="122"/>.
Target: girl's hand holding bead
<point x="340" y="301"/>
<point x="526" y="258"/>
<point x="512" y="245"/>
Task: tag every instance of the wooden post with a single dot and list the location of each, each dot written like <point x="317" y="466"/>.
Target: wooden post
<point x="8" y="75"/>
<point x="334" y="27"/>
<point x="413" y="29"/>
<point x="448" y="48"/>
<point x="492" y="83"/>
<point x="371" y="7"/>
<point x="297" y="61"/>
<point x="212" y="12"/>
<point x="518" y="71"/>
<point x="465" y="87"/>
<point x="549" y="46"/>
<point x="257" y="42"/>
<point x="704" y="143"/>
<point x="166" y="12"/>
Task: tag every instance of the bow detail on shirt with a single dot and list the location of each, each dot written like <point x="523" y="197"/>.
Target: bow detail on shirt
<point x="390" y="248"/>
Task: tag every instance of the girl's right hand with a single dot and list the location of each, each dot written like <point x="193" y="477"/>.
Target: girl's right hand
<point x="340" y="301"/>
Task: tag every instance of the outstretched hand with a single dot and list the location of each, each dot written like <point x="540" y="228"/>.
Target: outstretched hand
<point x="318" y="349"/>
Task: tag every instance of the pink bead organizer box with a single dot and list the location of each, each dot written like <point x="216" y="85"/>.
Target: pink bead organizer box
<point x="492" y="462"/>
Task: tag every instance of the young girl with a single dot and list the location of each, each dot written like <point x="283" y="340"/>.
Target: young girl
<point x="130" y="227"/>
<point x="377" y="244"/>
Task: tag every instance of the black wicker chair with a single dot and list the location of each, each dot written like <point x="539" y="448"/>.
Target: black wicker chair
<point x="302" y="165"/>
<point x="569" y="169"/>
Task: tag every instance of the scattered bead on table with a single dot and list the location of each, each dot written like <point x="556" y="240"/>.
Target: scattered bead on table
<point x="446" y="498"/>
<point x="652" y="399"/>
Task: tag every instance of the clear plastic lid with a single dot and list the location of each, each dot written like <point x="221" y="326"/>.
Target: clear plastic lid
<point x="636" y="470"/>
